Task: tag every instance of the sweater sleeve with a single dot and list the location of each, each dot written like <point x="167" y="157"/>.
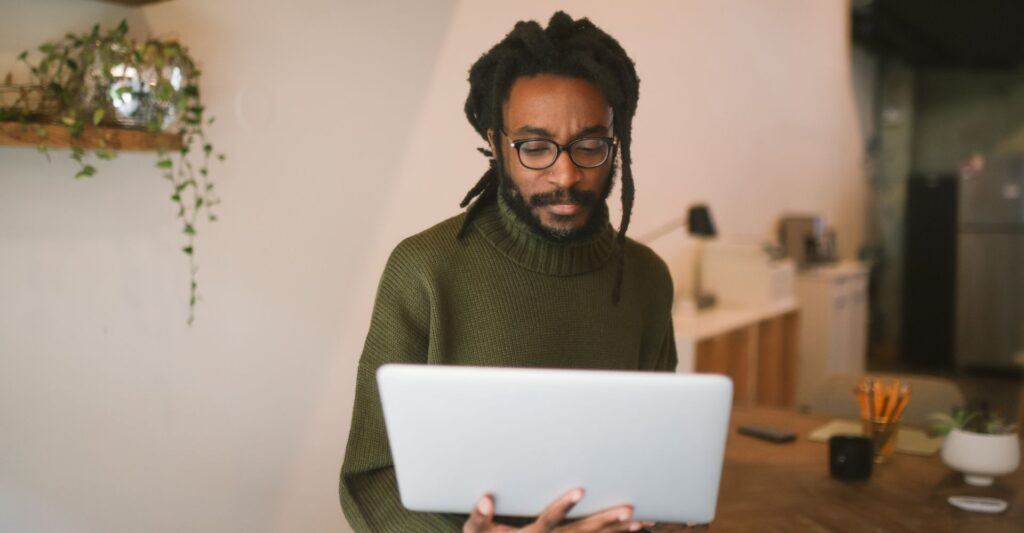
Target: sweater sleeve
<point x="399" y="333"/>
<point x="661" y="353"/>
<point x="667" y="359"/>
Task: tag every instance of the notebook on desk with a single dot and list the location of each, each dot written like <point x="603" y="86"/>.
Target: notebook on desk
<point x="653" y="440"/>
<point x="908" y="440"/>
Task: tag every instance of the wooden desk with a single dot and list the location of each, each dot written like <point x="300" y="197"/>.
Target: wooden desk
<point x="786" y="488"/>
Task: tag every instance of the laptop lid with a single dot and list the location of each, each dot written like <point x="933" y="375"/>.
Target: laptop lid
<point x="652" y="440"/>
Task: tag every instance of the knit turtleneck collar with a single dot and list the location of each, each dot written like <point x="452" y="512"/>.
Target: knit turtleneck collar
<point x="504" y="230"/>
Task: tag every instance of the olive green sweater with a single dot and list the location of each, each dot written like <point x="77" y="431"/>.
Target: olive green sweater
<point x="500" y="296"/>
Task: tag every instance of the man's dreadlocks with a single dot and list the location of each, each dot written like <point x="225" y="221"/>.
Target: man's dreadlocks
<point x="567" y="47"/>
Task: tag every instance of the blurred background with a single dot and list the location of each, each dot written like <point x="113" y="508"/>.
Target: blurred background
<point x="344" y="132"/>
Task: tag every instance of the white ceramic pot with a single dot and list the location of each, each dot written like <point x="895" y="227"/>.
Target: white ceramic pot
<point x="981" y="457"/>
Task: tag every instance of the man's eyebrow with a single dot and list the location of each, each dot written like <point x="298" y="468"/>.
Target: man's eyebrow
<point x="534" y="130"/>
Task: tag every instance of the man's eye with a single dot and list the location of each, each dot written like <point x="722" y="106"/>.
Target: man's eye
<point x="589" y="147"/>
<point x="536" y="148"/>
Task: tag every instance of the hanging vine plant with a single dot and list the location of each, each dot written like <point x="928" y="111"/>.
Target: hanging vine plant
<point x="108" y="79"/>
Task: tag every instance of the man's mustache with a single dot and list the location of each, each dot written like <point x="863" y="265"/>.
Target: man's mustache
<point x="564" y="196"/>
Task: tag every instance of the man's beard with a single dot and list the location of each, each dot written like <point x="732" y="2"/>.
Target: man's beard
<point x="523" y="207"/>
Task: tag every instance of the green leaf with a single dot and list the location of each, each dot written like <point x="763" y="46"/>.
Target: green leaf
<point x="97" y="116"/>
<point x="164" y="163"/>
<point x="164" y="90"/>
<point x="199" y="202"/>
<point x="23" y="55"/>
<point x="71" y="63"/>
<point x="87" y="172"/>
<point x="187" y="250"/>
<point x="207" y="148"/>
<point x="213" y="218"/>
<point x="122" y="28"/>
<point x="189" y="230"/>
<point x="41" y="133"/>
<point x="106" y="155"/>
<point x="221" y="157"/>
<point x="123" y="90"/>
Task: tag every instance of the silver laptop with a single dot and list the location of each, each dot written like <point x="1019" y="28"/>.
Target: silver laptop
<point x="652" y="440"/>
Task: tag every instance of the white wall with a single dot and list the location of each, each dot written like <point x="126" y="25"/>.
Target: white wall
<point x="115" y="416"/>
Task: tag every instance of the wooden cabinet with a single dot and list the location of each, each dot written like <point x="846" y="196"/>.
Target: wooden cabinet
<point x="833" y="338"/>
<point x="755" y="346"/>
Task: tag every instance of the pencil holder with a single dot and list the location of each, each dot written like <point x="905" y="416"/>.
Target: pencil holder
<point x="882" y="432"/>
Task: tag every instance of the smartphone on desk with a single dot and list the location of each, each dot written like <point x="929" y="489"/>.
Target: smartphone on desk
<point x="767" y="433"/>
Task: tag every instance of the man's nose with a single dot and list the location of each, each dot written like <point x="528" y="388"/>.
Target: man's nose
<point x="564" y="173"/>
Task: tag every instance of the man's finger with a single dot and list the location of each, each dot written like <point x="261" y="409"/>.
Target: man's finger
<point x="480" y="517"/>
<point x="613" y="520"/>
<point x="555" y="513"/>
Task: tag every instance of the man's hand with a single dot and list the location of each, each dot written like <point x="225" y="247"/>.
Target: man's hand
<point x="613" y="520"/>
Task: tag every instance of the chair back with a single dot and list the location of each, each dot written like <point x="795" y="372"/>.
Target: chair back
<point x="835" y="397"/>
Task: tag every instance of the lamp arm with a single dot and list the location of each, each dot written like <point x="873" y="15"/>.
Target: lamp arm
<point x="664" y="229"/>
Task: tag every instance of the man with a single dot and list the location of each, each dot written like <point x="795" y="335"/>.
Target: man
<point x="532" y="274"/>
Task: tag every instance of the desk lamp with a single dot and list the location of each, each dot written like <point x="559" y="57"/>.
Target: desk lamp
<point x="700" y="225"/>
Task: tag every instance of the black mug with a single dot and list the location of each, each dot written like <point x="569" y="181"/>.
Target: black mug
<point x="850" y="457"/>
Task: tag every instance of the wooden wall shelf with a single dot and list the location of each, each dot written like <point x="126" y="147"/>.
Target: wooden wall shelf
<point x="57" y="136"/>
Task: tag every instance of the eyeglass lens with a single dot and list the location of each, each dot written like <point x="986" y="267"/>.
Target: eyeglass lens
<point x="541" y="153"/>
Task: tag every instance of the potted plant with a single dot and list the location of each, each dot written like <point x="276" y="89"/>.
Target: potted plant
<point x="979" y="443"/>
<point x="109" y="79"/>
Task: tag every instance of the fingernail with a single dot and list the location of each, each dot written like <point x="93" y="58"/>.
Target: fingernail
<point x="636" y="526"/>
<point x="482" y="507"/>
<point x="623" y="517"/>
<point x="576" y="496"/>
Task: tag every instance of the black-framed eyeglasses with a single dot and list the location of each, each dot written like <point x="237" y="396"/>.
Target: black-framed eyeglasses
<point x="586" y="152"/>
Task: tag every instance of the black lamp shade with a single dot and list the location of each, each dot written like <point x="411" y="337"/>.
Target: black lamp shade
<point x="698" y="221"/>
